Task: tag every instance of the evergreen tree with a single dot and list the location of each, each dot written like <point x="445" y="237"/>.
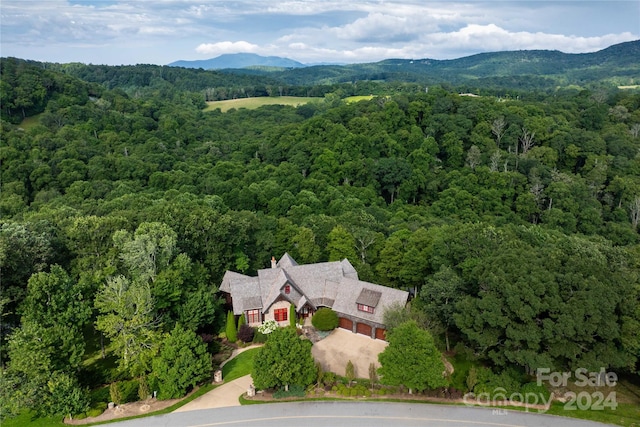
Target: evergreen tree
<point x="241" y="321"/>
<point x="231" y="330"/>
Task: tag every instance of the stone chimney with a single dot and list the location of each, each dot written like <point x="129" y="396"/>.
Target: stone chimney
<point x="273" y="262"/>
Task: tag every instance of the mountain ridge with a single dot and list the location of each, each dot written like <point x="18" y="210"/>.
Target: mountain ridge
<point x="238" y="60"/>
<point x="252" y="60"/>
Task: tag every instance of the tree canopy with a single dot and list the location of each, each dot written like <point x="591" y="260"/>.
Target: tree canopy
<point x="511" y="216"/>
<point x="411" y="359"/>
<point x="284" y="360"/>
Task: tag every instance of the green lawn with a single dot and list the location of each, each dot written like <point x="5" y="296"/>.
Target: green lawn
<point x="239" y="366"/>
<point x="28" y="418"/>
<point x="625" y="414"/>
<point x="253" y="103"/>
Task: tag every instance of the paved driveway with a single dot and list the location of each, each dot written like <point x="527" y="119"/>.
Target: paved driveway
<point x="337" y="349"/>
<point x="220" y="397"/>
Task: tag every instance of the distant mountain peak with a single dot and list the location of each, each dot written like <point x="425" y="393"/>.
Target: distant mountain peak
<point x="239" y="60"/>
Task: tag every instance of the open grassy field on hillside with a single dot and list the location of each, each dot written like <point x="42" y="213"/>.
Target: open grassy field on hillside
<point x="252" y="103"/>
<point x="30" y="122"/>
<point x="358" y="98"/>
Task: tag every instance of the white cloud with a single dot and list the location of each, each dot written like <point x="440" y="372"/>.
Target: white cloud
<point x="162" y="31"/>
<point x="494" y="38"/>
<point x="220" y="48"/>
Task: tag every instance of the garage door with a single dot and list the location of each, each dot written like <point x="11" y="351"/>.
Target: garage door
<point x="346" y="323"/>
<point x="363" y="329"/>
<point x="381" y="334"/>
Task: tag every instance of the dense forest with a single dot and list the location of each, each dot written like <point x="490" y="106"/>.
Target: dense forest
<point x="513" y="221"/>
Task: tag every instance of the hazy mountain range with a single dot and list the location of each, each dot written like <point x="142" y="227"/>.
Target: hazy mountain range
<point x="620" y="54"/>
<point x="239" y="60"/>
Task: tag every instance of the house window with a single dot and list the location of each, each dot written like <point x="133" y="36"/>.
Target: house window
<point x="280" y="314"/>
<point x="365" y="308"/>
<point x="287" y="289"/>
<point x="253" y="316"/>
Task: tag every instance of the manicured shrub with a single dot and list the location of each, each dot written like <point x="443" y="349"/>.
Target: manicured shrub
<point x="245" y="333"/>
<point x="123" y="391"/>
<point x="129" y="390"/>
<point x="329" y="378"/>
<point x="294" y="391"/>
<point x="350" y="372"/>
<point x="214" y="347"/>
<point x="232" y="332"/>
<point x="268" y="327"/>
<point x="325" y="319"/>
<point x="99" y="395"/>
<point x="259" y="337"/>
<point x="94" y="412"/>
<point x="143" y="389"/>
<point x="241" y="321"/>
<point x="115" y="394"/>
<point x="292" y="315"/>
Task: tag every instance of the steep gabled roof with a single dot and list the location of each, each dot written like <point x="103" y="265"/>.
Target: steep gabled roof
<point x="228" y="276"/>
<point x="286" y="261"/>
<point x="348" y="270"/>
<point x="369" y="297"/>
<point x="245" y="290"/>
<point x="350" y="290"/>
<point x="332" y="284"/>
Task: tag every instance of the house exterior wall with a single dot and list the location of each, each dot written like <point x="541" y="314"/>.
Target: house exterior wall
<point x="247" y="318"/>
<point x="269" y="315"/>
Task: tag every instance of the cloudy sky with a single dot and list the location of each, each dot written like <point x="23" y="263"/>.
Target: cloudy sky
<point x="162" y="31"/>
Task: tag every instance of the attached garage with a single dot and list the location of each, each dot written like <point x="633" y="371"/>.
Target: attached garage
<point x="381" y="334"/>
<point x="363" y="329"/>
<point x="346" y="324"/>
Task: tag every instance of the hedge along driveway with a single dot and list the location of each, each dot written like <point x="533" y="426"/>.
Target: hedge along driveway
<point x="337" y="349"/>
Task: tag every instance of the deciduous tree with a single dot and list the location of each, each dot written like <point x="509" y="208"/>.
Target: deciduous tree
<point x="284" y="360"/>
<point x="411" y="359"/>
<point x="128" y="318"/>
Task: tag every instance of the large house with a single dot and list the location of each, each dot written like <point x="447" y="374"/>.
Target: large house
<point x="360" y="305"/>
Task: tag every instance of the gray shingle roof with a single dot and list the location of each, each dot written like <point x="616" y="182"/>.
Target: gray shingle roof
<point x="350" y="290"/>
<point x="286" y="261"/>
<point x="251" y="303"/>
<point x="332" y="284"/>
<point x="368" y="297"/>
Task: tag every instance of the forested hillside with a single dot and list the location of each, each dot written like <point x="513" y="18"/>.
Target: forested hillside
<point x="122" y="204"/>
<point x="540" y="70"/>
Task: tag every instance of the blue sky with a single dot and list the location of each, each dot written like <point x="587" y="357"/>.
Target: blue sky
<point x="162" y="31"/>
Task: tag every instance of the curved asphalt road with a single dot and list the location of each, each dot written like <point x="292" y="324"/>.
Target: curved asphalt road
<point x="354" y="414"/>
